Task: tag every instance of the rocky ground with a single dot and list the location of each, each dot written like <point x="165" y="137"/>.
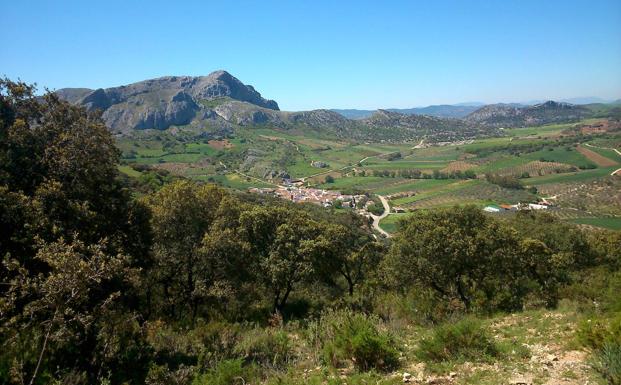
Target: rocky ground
<point x="541" y="350"/>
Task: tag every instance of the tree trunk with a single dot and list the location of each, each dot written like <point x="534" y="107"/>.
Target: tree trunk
<point x="285" y="297"/>
<point x="462" y="295"/>
<point x="279" y="304"/>
<point x="350" y="284"/>
<point x="275" y="307"/>
<point x="47" y="337"/>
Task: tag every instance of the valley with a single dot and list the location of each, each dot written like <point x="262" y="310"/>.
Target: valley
<point x="556" y="160"/>
<point x="310" y="193"/>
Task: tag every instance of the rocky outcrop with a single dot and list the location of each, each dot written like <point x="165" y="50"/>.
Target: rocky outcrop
<point x="167" y="101"/>
<point x="73" y="95"/>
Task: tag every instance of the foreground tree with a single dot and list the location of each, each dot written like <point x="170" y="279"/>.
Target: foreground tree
<point x="63" y="162"/>
<point x="181" y="214"/>
<point x="70" y="236"/>
<point x="349" y="251"/>
<point x="284" y="244"/>
<point x="463" y="255"/>
<point x="65" y="313"/>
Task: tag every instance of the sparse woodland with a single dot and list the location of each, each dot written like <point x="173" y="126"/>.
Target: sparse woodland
<point x="102" y="283"/>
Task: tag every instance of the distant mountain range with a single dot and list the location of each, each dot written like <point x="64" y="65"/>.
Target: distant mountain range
<point x="440" y="111"/>
<point x="220" y="103"/>
<point x="504" y="115"/>
<point x="461" y="110"/>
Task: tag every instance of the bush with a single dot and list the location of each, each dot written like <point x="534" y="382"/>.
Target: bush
<point x="587" y="166"/>
<point x="417" y="305"/>
<point x="607" y="362"/>
<point x="347" y="335"/>
<point x="466" y="339"/>
<point x="506" y="181"/>
<point x="163" y="375"/>
<point x="328" y="379"/>
<point x="227" y="372"/>
<point x="597" y="333"/>
<point x="372" y="350"/>
<point x="270" y="348"/>
<point x="376" y="208"/>
<point x="218" y="340"/>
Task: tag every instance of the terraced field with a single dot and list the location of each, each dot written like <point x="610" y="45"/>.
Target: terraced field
<point x="596" y="157"/>
<point x="459" y="165"/>
<point x="606" y="152"/>
<point x="545" y="157"/>
<point x="578" y="176"/>
<point x="536" y="168"/>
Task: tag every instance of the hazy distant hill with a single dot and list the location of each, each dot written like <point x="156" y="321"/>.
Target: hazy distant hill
<point x="423" y="125"/>
<point x="578" y="100"/>
<point x="503" y="115"/>
<point x="461" y="110"/>
<point x="441" y="111"/>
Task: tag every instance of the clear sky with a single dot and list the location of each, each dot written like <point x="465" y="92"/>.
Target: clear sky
<point x="326" y="53"/>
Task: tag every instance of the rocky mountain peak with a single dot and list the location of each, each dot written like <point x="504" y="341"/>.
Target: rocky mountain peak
<point x="162" y="102"/>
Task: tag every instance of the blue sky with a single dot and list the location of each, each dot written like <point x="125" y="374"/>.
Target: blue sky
<point x="326" y="54"/>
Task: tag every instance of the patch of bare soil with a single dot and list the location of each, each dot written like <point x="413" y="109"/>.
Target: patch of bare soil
<point x="220" y="144"/>
<point x="173" y="167"/>
<point x="600" y="127"/>
<point x="596" y="158"/>
<point x="551" y="360"/>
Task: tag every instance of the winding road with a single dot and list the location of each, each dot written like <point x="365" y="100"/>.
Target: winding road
<point x="378" y="218"/>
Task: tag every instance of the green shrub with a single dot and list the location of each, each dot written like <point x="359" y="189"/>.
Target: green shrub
<point x="327" y="379"/>
<point x="219" y="340"/>
<point x="372" y="350"/>
<point x="603" y="337"/>
<point x="345" y="335"/>
<point x="607" y="362"/>
<point x="376" y="208"/>
<point x="227" y="372"/>
<point x="163" y="375"/>
<point x="270" y="348"/>
<point x="596" y="333"/>
<point x="418" y="305"/>
<point x="466" y="339"/>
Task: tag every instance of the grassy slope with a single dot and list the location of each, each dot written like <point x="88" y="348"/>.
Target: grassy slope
<point x="613" y="223"/>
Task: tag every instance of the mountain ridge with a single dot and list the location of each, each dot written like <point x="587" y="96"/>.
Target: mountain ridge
<point x="165" y="101"/>
<point x="219" y="102"/>
<point x="505" y="115"/>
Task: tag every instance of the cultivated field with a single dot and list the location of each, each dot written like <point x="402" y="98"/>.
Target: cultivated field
<point x="551" y="160"/>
